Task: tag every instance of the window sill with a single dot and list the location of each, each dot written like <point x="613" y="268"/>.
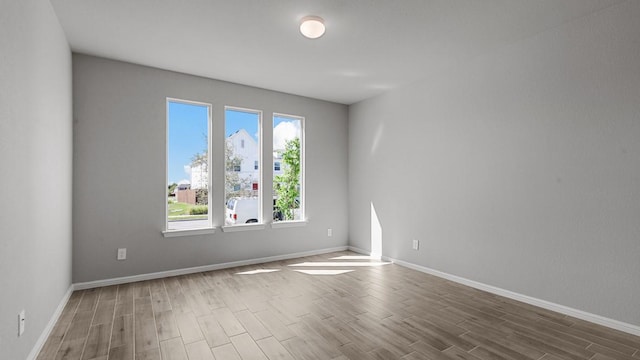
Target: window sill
<point x="188" y="232"/>
<point x="288" y="224"/>
<point x="243" y="227"/>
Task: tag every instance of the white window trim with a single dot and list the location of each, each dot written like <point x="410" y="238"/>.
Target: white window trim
<point x="260" y="167"/>
<point x="243" y="227"/>
<point x="289" y="224"/>
<point x="188" y="232"/>
<point x="210" y="229"/>
<point x="303" y="166"/>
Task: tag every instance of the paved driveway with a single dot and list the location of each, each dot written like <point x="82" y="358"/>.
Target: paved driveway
<point x="188" y="224"/>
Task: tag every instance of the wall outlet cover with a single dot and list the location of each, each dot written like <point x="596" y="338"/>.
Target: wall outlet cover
<point x="21" y="321"/>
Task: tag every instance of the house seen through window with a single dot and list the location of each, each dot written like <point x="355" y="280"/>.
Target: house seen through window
<point x="189" y="174"/>
<point x="188" y="170"/>
<point x="242" y="162"/>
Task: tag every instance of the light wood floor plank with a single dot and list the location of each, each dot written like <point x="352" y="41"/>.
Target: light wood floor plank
<point x="226" y="352"/>
<point x="353" y="352"/>
<point x="70" y="349"/>
<point x="274" y="325"/>
<point x="97" y="344"/>
<point x="104" y="312"/>
<point x="457" y="353"/>
<point x="124" y="352"/>
<point x="609" y="352"/>
<point x="146" y="336"/>
<point x="122" y="331"/>
<point x="247" y="348"/>
<point x="89" y="300"/>
<point x="79" y="327"/>
<point x="159" y="297"/>
<point x="228" y="321"/>
<point x="485" y="354"/>
<point x="212" y="331"/>
<point x="253" y="326"/>
<point x="173" y="349"/>
<point x="427" y="350"/>
<point x="301" y="349"/>
<point x="189" y="328"/>
<point x="141" y="290"/>
<point x="274" y="349"/>
<point x="314" y="339"/>
<point x="151" y="354"/>
<point x="166" y="325"/>
<point x="199" y="351"/>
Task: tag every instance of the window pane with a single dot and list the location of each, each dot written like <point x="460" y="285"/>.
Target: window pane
<point x="288" y="181"/>
<point x="242" y="164"/>
<point x="188" y="165"/>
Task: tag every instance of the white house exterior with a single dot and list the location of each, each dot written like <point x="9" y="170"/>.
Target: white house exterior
<point x="199" y="177"/>
<point x="246" y="148"/>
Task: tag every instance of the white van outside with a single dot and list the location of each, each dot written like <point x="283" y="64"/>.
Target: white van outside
<point x="241" y="211"/>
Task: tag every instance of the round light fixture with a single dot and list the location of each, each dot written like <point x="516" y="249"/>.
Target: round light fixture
<point x="312" y="27"/>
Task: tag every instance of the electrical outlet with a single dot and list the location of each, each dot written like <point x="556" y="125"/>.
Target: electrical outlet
<point x="329" y="232"/>
<point x="122" y="253"/>
<point x="416" y="244"/>
<point x="21" y="321"/>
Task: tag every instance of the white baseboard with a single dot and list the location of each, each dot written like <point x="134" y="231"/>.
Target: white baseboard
<point x="35" y="351"/>
<point x="164" y="274"/>
<point x="597" y="319"/>
<point x="359" y="251"/>
<point x="566" y="310"/>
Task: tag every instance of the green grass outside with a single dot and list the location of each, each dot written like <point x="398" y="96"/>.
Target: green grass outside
<point x="180" y="211"/>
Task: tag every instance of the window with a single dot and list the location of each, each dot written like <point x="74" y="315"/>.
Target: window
<point x="242" y="148"/>
<point x="188" y="170"/>
<point x="288" y="166"/>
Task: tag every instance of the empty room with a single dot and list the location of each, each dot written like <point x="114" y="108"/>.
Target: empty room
<point x="339" y="179"/>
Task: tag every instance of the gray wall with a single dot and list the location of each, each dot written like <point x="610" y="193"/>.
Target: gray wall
<point x="35" y="171"/>
<point x="119" y="171"/>
<point x="518" y="169"/>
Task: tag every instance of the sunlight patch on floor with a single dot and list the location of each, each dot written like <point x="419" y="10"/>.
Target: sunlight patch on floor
<point x="356" y="257"/>
<point x="341" y="264"/>
<point x="258" y="271"/>
<point x="323" y="271"/>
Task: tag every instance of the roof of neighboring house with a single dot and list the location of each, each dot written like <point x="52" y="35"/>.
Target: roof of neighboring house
<point x="242" y="133"/>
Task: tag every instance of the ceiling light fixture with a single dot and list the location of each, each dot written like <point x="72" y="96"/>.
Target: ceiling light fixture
<point x="312" y="27"/>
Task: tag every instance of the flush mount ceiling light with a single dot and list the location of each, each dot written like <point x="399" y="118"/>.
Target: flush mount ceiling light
<point x="312" y="27"/>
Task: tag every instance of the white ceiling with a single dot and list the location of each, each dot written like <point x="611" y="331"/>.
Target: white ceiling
<point x="370" y="45"/>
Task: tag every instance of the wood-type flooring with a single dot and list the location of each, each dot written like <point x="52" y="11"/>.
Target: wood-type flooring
<point x="332" y="306"/>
